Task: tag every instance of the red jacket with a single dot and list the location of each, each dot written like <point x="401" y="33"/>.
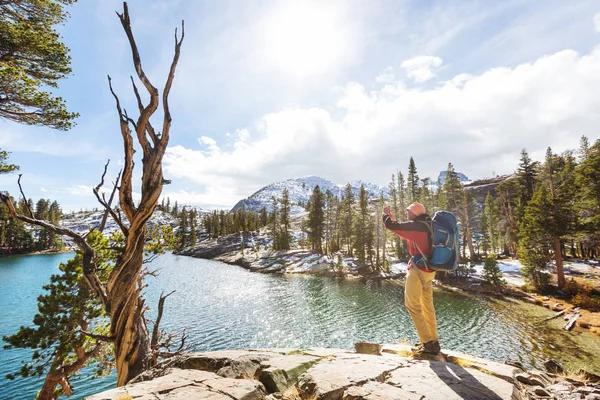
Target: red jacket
<point x="416" y="231"/>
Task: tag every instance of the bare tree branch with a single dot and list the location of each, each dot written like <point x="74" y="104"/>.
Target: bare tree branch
<point x="153" y="105"/>
<point x="24" y="197"/>
<point x="155" y="330"/>
<point x="89" y="269"/>
<point x="167" y="113"/>
<point x="108" y="205"/>
<point x="125" y="191"/>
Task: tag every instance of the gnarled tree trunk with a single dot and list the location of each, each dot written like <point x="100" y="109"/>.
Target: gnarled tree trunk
<point x="125" y="305"/>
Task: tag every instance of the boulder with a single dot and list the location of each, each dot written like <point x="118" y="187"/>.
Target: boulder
<point x="178" y="384"/>
<point x="368" y="348"/>
<point x="239" y="389"/>
<point x="444" y="380"/>
<point x="227" y="363"/>
<point x="331" y="377"/>
<point x="503" y="371"/>
<point x="280" y="373"/>
<point x="379" y="391"/>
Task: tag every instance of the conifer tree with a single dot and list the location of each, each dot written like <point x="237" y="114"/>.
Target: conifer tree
<point x="491" y="216"/>
<point x="263" y="216"/>
<point x="584" y="148"/>
<point x="552" y="217"/>
<point x="491" y="272"/>
<point x="526" y="173"/>
<point x="453" y="191"/>
<point x="5" y="167"/>
<point x="534" y="247"/>
<point x="314" y="224"/>
<point x="330" y="208"/>
<point x="285" y="220"/>
<point x="412" y="182"/>
<point x="182" y="233"/>
<point x="588" y="194"/>
<point x="192" y="224"/>
<point x="401" y="247"/>
<point x="484" y="224"/>
<point x="347" y="217"/>
<point x="467" y="214"/>
<point x="275" y="224"/>
<point x="33" y="59"/>
<point x="66" y="311"/>
<point x="511" y="205"/>
<point x="363" y="230"/>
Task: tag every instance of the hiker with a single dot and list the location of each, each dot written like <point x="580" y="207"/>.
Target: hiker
<point x="418" y="293"/>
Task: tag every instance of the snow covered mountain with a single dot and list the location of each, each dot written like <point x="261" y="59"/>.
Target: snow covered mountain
<point x="442" y="178"/>
<point x="300" y="190"/>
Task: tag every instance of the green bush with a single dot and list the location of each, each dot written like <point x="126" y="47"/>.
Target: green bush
<point x="491" y="271"/>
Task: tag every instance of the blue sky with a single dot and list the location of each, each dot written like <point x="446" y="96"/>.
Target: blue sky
<point x="347" y="90"/>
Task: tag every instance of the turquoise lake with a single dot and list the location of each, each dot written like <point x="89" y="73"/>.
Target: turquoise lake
<point x="225" y="307"/>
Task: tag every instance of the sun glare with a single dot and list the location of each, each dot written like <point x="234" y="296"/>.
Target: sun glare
<point x="303" y="38"/>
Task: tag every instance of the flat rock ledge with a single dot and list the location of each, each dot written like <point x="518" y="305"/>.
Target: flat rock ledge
<point x="386" y="372"/>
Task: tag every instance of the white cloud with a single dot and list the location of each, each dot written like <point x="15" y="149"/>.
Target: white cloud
<point x="76" y="190"/>
<point x="597" y="22"/>
<point x="422" y="68"/>
<point x="478" y="122"/>
<point x="386" y="76"/>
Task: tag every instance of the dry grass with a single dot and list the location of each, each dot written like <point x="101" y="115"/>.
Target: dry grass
<point x="578" y="376"/>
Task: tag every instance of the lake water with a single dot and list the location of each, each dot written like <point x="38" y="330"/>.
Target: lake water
<point x="225" y="307"/>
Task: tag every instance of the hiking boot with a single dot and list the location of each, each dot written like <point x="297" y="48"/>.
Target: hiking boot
<point x="432" y="347"/>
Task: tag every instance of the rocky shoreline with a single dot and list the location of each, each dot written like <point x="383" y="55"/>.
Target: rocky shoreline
<point x="371" y="372"/>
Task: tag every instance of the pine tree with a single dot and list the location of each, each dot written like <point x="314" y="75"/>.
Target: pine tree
<point x="534" y="248"/>
<point x="347" y="216"/>
<point x="588" y="194"/>
<point x="363" y="230"/>
<point x="412" y="182"/>
<point x="491" y="272"/>
<point x="285" y="220"/>
<point x="66" y="310"/>
<point x="192" y="225"/>
<point x="182" y="232"/>
<point x="552" y="217"/>
<point x="330" y="222"/>
<point x="526" y="173"/>
<point x="316" y="219"/>
<point x="584" y="148"/>
<point x="401" y="247"/>
<point x="33" y="59"/>
<point x="512" y="209"/>
<point x="485" y="243"/>
<point x="275" y="227"/>
<point x="6" y="168"/>
<point x="263" y="217"/>
<point x="453" y="191"/>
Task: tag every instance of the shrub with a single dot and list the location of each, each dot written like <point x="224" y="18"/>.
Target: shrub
<point x="491" y="271"/>
<point x="583" y="300"/>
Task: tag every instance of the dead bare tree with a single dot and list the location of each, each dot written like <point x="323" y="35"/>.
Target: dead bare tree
<point x="121" y="296"/>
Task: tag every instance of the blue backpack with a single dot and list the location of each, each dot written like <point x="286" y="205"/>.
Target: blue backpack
<point x="444" y="242"/>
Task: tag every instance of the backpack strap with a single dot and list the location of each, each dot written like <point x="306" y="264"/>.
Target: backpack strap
<point x="419" y="274"/>
<point x="429" y="225"/>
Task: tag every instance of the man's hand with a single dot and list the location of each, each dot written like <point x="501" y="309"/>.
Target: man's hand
<point x="387" y="211"/>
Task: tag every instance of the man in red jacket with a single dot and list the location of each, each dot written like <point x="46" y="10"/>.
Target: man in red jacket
<point x="418" y="293"/>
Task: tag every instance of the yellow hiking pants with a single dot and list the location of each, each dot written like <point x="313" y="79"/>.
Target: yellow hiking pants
<point x="419" y="302"/>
